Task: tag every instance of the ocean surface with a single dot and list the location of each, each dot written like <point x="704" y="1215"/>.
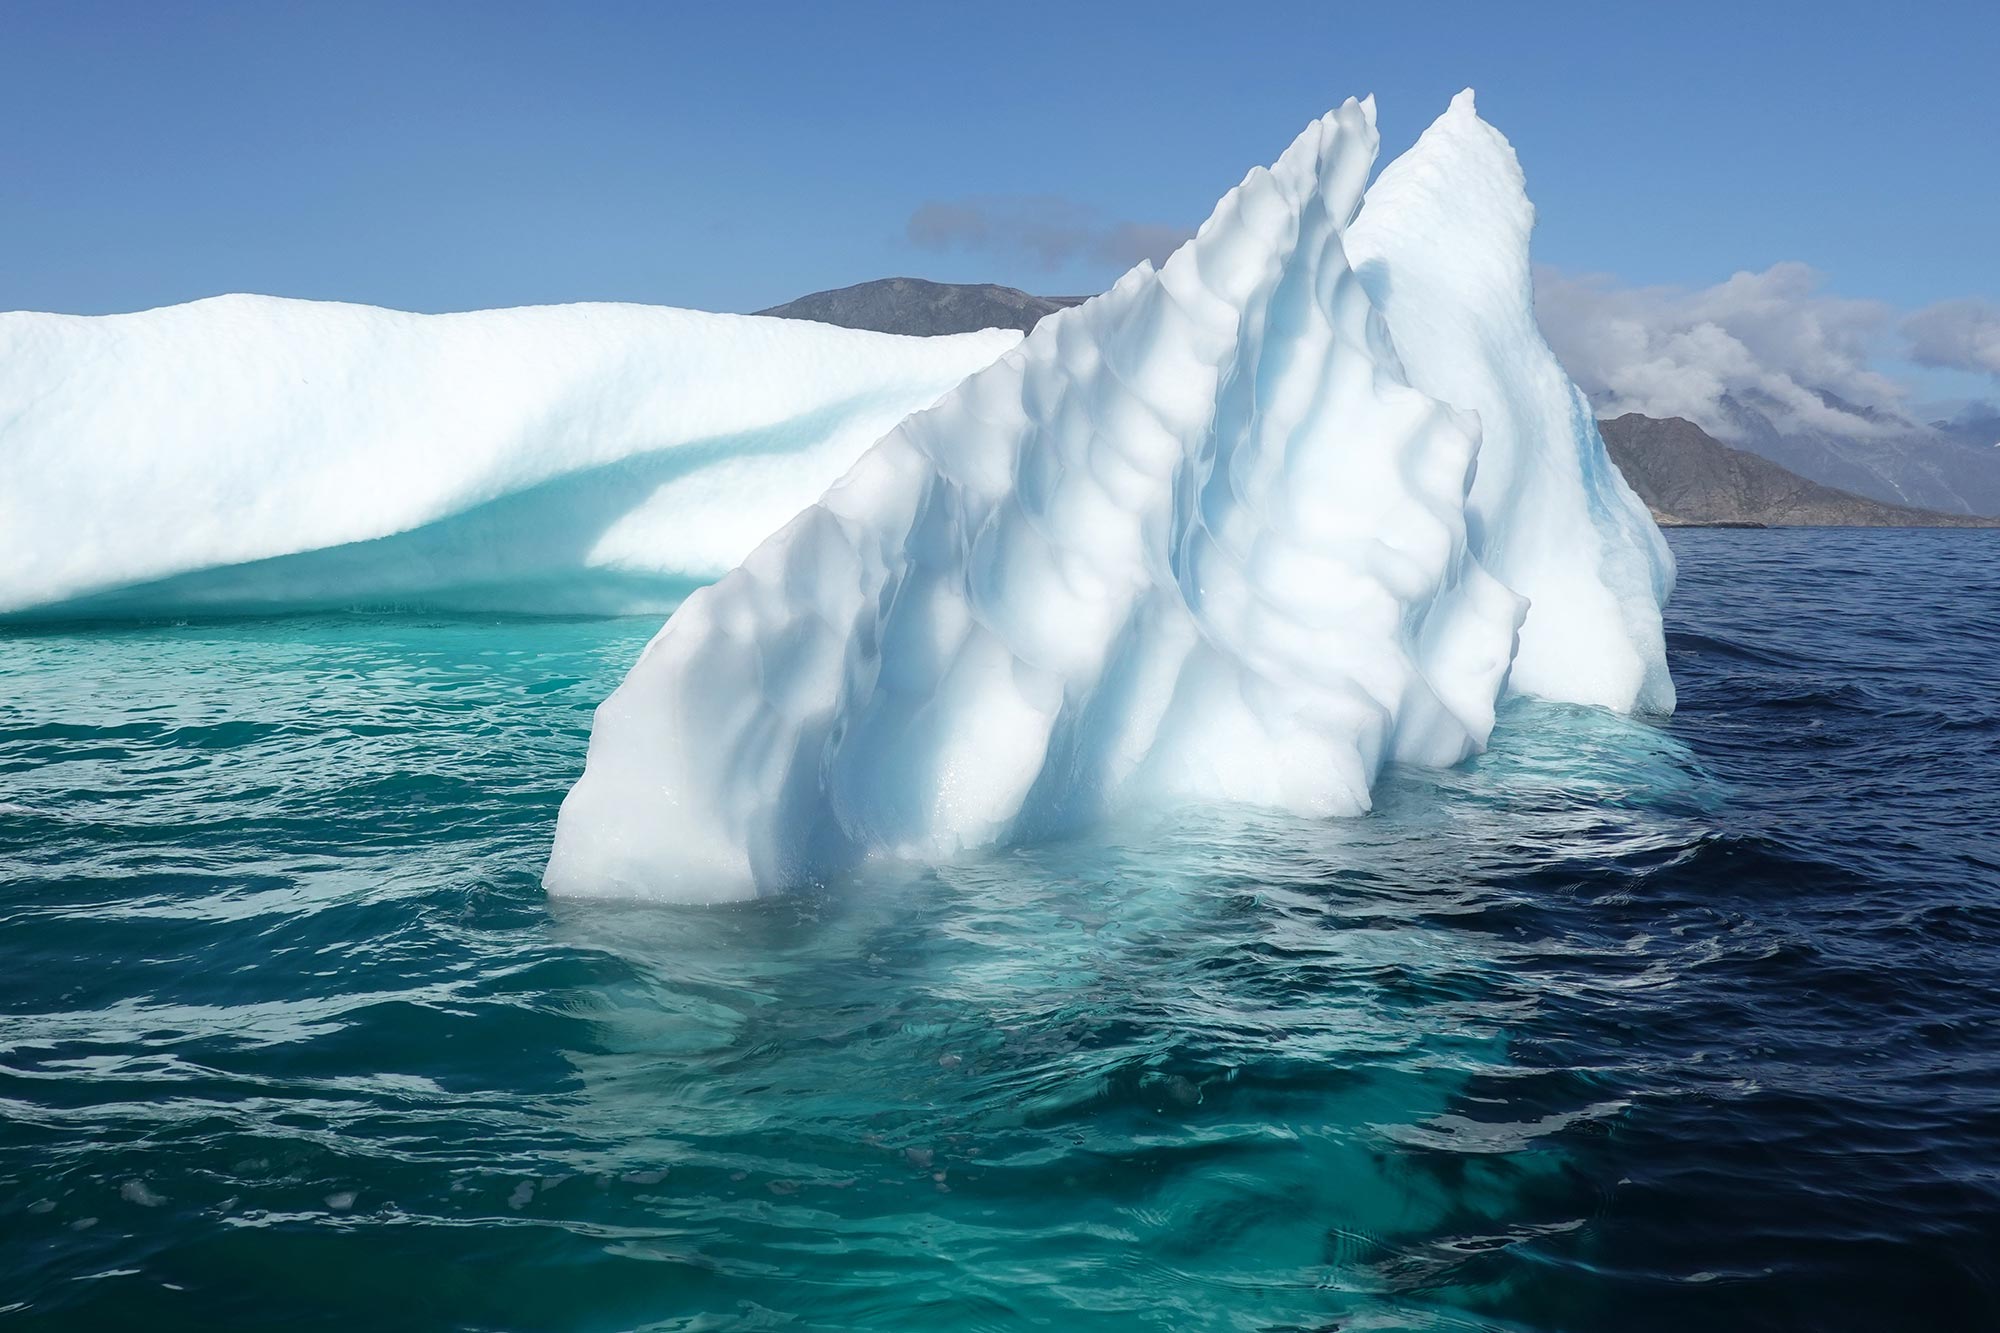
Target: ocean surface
<point x="1622" y="1026"/>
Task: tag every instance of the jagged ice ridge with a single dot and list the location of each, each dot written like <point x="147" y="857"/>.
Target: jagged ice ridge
<point x="1242" y="529"/>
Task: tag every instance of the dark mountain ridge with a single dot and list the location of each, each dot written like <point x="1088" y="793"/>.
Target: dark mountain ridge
<point x="918" y="306"/>
<point x="1686" y="476"/>
<point x="1883" y="456"/>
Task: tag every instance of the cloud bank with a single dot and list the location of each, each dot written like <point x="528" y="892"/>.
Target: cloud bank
<point x="1776" y="339"/>
<point x="1047" y="230"/>
<point x="1956" y="335"/>
<point x="1779" y="341"/>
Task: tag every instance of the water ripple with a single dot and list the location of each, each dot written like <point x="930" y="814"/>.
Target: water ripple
<point x="1617" y="1026"/>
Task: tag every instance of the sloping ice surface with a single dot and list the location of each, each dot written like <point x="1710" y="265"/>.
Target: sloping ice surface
<point x="248" y="454"/>
<point x="1242" y="530"/>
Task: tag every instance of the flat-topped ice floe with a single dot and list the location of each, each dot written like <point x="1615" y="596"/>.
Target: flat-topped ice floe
<point x="248" y="453"/>
<point x="1215" y="536"/>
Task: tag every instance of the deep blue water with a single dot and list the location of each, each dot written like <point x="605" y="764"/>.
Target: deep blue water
<point x="1622" y="1026"/>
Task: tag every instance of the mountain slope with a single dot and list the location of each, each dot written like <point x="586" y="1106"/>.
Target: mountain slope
<point x="1882" y="456"/>
<point x="1686" y="476"/>
<point x="917" y="306"/>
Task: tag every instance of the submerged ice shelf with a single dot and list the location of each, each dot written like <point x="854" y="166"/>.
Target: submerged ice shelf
<point x="1243" y="529"/>
<point x="248" y="453"/>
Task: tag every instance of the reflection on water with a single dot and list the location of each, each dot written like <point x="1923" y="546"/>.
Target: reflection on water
<point x="1106" y="1080"/>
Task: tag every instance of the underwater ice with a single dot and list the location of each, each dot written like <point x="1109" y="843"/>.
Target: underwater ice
<point x="248" y="453"/>
<point x="1241" y="530"/>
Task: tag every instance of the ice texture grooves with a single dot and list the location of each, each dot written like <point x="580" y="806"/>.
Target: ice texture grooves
<point x="1198" y="540"/>
<point x="1442" y="247"/>
<point x="248" y="453"/>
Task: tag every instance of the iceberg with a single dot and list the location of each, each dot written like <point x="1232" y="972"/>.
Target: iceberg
<point x="250" y="453"/>
<point x="1240" y="530"/>
<point x="1441" y="246"/>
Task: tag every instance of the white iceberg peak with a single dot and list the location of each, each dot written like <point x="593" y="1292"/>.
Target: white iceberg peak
<point x="1199" y="539"/>
<point x="1442" y="247"/>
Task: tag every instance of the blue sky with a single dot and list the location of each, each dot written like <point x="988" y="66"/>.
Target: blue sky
<point x="448" y="156"/>
<point x="455" y="155"/>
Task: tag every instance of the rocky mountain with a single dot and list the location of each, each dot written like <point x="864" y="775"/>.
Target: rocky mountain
<point x="1977" y="425"/>
<point x="914" y="305"/>
<point x="1945" y="466"/>
<point x="1687" y="476"/>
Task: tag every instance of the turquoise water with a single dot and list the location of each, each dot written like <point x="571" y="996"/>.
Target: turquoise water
<point x="1619" y="1026"/>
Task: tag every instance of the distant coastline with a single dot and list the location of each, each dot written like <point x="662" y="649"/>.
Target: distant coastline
<point x="1690" y="479"/>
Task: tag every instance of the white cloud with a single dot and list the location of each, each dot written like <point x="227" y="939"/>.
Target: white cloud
<point x="1956" y="335"/>
<point x="1775" y="338"/>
